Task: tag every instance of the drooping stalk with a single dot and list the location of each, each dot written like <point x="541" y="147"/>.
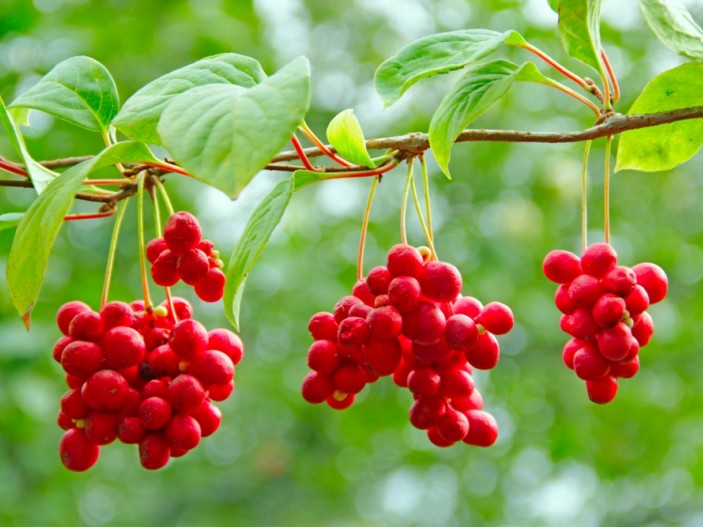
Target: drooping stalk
<point x="364" y="229"/>
<point x="611" y="75"/>
<point x="301" y="154"/>
<point x="426" y="192"/>
<point x="418" y="208"/>
<point x="404" y="202"/>
<point x="584" y="197"/>
<point x="110" y="265"/>
<point x="142" y="243"/>
<point x="164" y="196"/>
<point x="159" y="234"/>
<point x="606" y="189"/>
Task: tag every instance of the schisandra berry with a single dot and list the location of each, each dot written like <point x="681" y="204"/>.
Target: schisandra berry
<point x="408" y="320"/>
<point x="604" y="310"/>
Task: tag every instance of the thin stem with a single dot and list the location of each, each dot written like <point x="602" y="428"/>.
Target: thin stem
<point x="169" y="167"/>
<point x="164" y="196"/>
<point x="142" y="243"/>
<point x="606" y="189"/>
<point x="576" y="96"/>
<point x="109" y="142"/>
<point x="404" y="202"/>
<point x="110" y="265"/>
<point x="611" y="75"/>
<point x="344" y="175"/>
<point x="364" y="229"/>
<point x="10" y="167"/>
<point x="426" y="192"/>
<point x="301" y="153"/>
<point x="323" y="148"/>
<point x="159" y="233"/>
<point x="554" y="64"/>
<point x="88" y="215"/>
<point x="104" y="182"/>
<point x="418" y="208"/>
<point x="584" y="198"/>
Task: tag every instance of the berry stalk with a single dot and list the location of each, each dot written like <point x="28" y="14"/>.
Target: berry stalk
<point x="364" y="228"/>
<point x="584" y="197"/>
<point x="426" y="191"/>
<point x="301" y="154"/>
<point x="423" y="225"/>
<point x="606" y="189"/>
<point x="112" y="252"/>
<point x="323" y="148"/>
<point x="142" y="243"/>
<point x="404" y="203"/>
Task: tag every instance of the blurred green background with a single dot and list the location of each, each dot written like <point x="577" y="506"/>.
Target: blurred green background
<point x="278" y="461"/>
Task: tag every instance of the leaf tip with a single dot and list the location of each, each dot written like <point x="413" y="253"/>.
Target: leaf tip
<point x="26" y="317"/>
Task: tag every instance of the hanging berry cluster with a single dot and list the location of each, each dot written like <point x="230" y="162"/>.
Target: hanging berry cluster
<point x="408" y="319"/>
<point x="142" y="374"/>
<point x="604" y="310"/>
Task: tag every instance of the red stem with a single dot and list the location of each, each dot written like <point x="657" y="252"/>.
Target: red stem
<point x="323" y="148"/>
<point x="554" y="64"/>
<point x="88" y="216"/>
<point x="611" y="75"/>
<point x="301" y="154"/>
<point x="12" y="168"/>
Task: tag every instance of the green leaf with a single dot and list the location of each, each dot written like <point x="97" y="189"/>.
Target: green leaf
<point x="674" y="27"/>
<point x="666" y="146"/>
<point x="225" y="134"/>
<point x="10" y="220"/>
<point x="303" y="178"/>
<point x="79" y="90"/>
<point x="579" y="28"/>
<point x="472" y="95"/>
<point x="256" y="235"/>
<point x="39" y="175"/>
<point x="437" y="54"/>
<point x="554" y="4"/>
<point x="37" y="230"/>
<point x="345" y="135"/>
<point x="140" y="114"/>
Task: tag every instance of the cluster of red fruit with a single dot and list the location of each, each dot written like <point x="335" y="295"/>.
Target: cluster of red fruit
<point x="604" y="310"/>
<point x="182" y="254"/>
<point x="408" y="319"/>
<point x="139" y="376"/>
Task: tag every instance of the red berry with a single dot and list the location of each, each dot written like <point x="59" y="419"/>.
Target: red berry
<point x="316" y="387"/>
<point x="122" y="347"/>
<point x="349" y="378"/>
<point x="212" y="367"/>
<point x="457" y="384"/>
<point x="155" y="388"/>
<point x="615" y="342"/>
<point x="589" y="364"/>
<point x="60" y="346"/>
<point x="182" y="307"/>
<point x="452" y="425"/>
<point x="154" y="249"/>
<point x="163" y="361"/>
<point x="182" y="232"/>
<point x="67" y="312"/>
<point x="424" y="382"/>
<point x="620" y="280"/>
<point x="76" y="451"/>
<point x="425" y="324"/>
<point x="105" y="390"/>
<point x="164" y="271"/>
<point x="599" y="259"/>
<point x="437" y="439"/>
<point x="436" y="352"/>
<point x="353" y="331"/>
<point x="637" y="301"/>
<point x="185" y="393"/>
<point x="563" y="300"/>
<point x="585" y="290"/>
<point x="130" y="430"/>
<point x="483" y="429"/>
<point x="323" y="326"/>
<point x="461" y="332"/>
<point x="570" y="348"/>
<point x="362" y="292"/>
<point x="212" y="287"/>
<point x="192" y="266"/>
<point x="561" y="266"/>
<point x="385" y="322"/>
<point x="496" y="318"/>
<point x="467" y="305"/>
<point x="86" y="325"/>
<point x="404" y="292"/>
<point x="183" y="432"/>
<point x="485" y="353"/>
<point x="425" y="411"/>
<point x="653" y="279"/>
<point x="603" y="390"/>
<point x="154" y="413"/>
<point x="72" y="405"/>
<point x="625" y="370"/>
<point x="608" y="310"/>
<point x="116" y="313"/>
<point x="154" y="452"/>
<point x="400" y="375"/>
<point x="188" y="338"/>
<point x="378" y="280"/>
<point x="227" y="342"/>
<point x="579" y="324"/>
<point x="221" y="392"/>
<point x="322" y="357"/>
<point x="101" y="427"/>
<point x="81" y="359"/>
<point x="382" y="356"/>
<point x="643" y="329"/>
<point x="345" y="400"/>
<point x="209" y="418"/>
<point x="441" y="281"/>
<point x="404" y="260"/>
<point x="341" y="308"/>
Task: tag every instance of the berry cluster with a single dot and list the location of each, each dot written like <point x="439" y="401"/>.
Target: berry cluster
<point x="182" y="254"/>
<point x="138" y="376"/>
<point x="604" y="310"/>
<point x="408" y="319"/>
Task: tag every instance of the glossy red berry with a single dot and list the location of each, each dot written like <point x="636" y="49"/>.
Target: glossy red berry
<point x="561" y="266"/>
<point x="653" y="279"/>
<point x="76" y="451"/>
<point x="67" y="312"/>
<point x="182" y="232"/>
<point x="440" y="281"/>
<point x="599" y="259"/>
<point x="212" y="287"/>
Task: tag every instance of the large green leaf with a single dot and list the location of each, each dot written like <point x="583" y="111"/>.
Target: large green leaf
<point x="37" y="230"/>
<point x="472" y="95"/>
<point x="579" y="28"/>
<point x="225" y="134"/>
<point x="674" y="26"/>
<point x="140" y="114"/>
<point x="79" y="90"/>
<point x="437" y="54"/>
<point x="666" y="146"/>
<point x="256" y="235"/>
<point x="345" y="135"/>
<point x="10" y="220"/>
<point x="39" y="175"/>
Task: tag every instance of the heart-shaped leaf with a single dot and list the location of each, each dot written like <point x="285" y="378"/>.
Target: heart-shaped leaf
<point x="666" y="146"/>
<point x="435" y="54"/>
<point x="252" y="243"/>
<point x="140" y="114"/>
<point x="674" y="26"/>
<point x="225" y="134"/>
<point x="345" y="135"/>
<point x="39" y="175"/>
<point x="79" y="90"/>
